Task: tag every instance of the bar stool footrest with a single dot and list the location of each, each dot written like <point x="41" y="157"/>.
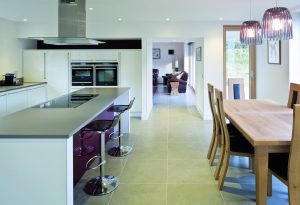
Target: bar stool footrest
<point x="100" y="186"/>
<point x="120" y="151"/>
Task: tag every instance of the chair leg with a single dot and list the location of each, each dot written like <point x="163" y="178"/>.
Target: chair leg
<point x="224" y="170"/>
<point x="211" y="146"/>
<point x="220" y="162"/>
<point x="269" y="189"/>
<point x="214" y="150"/>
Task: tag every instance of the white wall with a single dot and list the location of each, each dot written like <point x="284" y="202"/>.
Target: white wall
<point x="272" y="80"/>
<point x="294" y="50"/>
<point x="199" y="79"/>
<point x="10" y="49"/>
<point x="167" y="62"/>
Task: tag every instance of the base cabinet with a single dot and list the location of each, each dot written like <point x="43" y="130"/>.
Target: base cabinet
<point x="13" y="101"/>
<point x="2" y="105"/>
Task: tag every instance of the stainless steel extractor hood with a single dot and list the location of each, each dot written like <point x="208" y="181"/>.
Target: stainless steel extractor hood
<point x="71" y="25"/>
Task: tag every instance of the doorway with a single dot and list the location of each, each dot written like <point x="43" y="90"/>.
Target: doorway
<point x="238" y="61"/>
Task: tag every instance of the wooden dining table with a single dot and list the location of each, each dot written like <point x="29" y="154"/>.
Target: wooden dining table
<point x="268" y="127"/>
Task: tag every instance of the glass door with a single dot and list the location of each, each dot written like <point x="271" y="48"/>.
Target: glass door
<point x="239" y="61"/>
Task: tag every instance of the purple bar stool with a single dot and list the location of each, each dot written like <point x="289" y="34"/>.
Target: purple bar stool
<point x="102" y="184"/>
<point x="121" y="150"/>
<point x="83" y="149"/>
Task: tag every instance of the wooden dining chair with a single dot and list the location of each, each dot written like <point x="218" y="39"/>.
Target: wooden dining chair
<point x="286" y="166"/>
<point x="215" y="134"/>
<point x="230" y="145"/>
<point x="294" y="95"/>
<point x="236" y="89"/>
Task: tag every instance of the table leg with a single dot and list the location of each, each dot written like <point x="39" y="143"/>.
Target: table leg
<point x="261" y="174"/>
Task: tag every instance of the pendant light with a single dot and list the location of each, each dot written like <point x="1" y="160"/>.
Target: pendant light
<point x="251" y="33"/>
<point x="277" y="24"/>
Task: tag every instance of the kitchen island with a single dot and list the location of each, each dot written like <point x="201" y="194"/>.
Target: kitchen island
<point x="36" y="148"/>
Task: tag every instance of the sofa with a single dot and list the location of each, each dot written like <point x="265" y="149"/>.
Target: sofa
<point x="182" y="78"/>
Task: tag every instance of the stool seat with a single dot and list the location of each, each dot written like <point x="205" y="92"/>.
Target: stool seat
<point x="99" y="125"/>
<point x="118" y="108"/>
<point x="120" y="150"/>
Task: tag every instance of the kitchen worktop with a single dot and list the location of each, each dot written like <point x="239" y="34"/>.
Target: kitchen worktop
<point x="16" y="87"/>
<point x="58" y="122"/>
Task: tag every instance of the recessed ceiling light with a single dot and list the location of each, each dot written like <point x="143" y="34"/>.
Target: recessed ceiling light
<point x="174" y="40"/>
<point x="120" y="19"/>
<point x="168" y="19"/>
<point x="25" y="20"/>
<point x="220" y="18"/>
<point x="91" y="8"/>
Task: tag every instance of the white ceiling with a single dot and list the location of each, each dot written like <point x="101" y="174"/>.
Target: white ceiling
<point x="145" y="10"/>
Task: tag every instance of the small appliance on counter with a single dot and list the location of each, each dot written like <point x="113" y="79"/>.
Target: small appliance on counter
<point x="10" y="79"/>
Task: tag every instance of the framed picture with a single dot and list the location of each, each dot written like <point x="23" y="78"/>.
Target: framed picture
<point x="156" y="53"/>
<point x="274" y="52"/>
<point x="198" y="54"/>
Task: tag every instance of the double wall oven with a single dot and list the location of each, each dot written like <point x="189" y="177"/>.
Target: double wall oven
<point x="86" y="73"/>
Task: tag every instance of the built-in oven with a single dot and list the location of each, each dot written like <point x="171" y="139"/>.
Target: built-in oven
<point x="106" y="74"/>
<point x="82" y="74"/>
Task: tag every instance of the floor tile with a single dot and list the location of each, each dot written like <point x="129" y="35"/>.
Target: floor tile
<point x="193" y="194"/>
<point x="144" y="172"/>
<point x="139" y="194"/>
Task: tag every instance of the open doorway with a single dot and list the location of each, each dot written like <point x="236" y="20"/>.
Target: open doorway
<point x="173" y="63"/>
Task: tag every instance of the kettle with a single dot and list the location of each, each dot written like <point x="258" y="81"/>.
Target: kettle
<point x="10" y="79"/>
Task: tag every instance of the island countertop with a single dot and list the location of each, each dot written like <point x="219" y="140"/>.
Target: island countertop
<point x="58" y="122"/>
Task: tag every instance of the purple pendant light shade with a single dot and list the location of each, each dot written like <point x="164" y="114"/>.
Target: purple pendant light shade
<point x="251" y="33"/>
<point x="277" y="24"/>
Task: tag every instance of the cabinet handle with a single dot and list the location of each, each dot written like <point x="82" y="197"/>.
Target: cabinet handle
<point x="44" y="66"/>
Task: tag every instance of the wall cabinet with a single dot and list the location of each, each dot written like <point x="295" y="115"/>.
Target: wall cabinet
<point x="58" y="73"/>
<point x="49" y="66"/>
<point x="34" y="66"/>
<point x="130" y="75"/>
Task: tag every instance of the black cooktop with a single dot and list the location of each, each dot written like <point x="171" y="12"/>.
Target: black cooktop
<point x="72" y="100"/>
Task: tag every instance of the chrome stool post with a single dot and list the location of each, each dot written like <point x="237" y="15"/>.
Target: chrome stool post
<point x="102" y="184"/>
<point x="121" y="150"/>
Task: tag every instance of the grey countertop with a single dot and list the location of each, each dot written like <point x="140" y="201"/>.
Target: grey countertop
<point x="58" y="122"/>
<point x="16" y="87"/>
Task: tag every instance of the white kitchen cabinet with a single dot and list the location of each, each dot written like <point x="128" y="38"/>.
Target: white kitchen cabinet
<point x="2" y="104"/>
<point x="34" y="66"/>
<point x="94" y="55"/>
<point x="36" y="95"/>
<point x="58" y="73"/>
<point x="130" y="75"/>
<point x="16" y="101"/>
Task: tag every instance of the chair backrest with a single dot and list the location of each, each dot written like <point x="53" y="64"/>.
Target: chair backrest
<point x="211" y="98"/>
<point x="236" y="88"/>
<point x="131" y="103"/>
<point x="294" y="96"/>
<point x="294" y="160"/>
<point x="221" y="116"/>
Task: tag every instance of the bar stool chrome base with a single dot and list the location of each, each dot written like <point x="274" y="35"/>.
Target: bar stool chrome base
<point x="100" y="186"/>
<point x="82" y="151"/>
<point x="120" y="151"/>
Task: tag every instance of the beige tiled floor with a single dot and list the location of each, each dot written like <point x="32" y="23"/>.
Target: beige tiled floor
<point x="169" y="167"/>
